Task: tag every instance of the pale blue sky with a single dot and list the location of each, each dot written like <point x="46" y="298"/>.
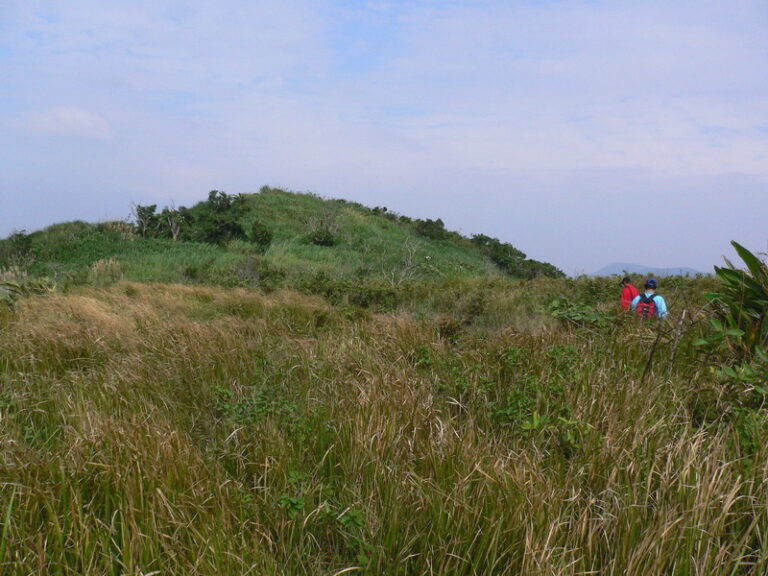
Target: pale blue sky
<point x="582" y="132"/>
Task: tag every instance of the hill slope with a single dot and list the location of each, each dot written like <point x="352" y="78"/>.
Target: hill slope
<point x="270" y="239"/>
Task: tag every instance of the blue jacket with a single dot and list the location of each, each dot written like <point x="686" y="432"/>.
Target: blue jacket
<point x="661" y="305"/>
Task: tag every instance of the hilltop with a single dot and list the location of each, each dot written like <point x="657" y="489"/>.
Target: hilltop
<point x="271" y="239"/>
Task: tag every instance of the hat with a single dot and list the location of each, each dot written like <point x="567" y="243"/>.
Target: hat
<point x="650" y="283"/>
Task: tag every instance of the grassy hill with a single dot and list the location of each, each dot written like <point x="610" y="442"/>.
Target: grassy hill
<point x="312" y="243"/>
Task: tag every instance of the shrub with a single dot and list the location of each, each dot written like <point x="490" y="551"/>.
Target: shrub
<point x="434" y="229"/>
<point x="15" y="285"/>
<point x="215" y="221"/>
<point x="323" y="230"/>
<point x="580" y="315"/>
<point x="16" y="250"/>
<point x="512" y="261"/>
<point x="261" y="236"/>
<point x="256" y="271"/>
<point x="737" y="335"/>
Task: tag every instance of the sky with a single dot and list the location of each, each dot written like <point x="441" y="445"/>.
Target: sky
<point x="583" y="132"/>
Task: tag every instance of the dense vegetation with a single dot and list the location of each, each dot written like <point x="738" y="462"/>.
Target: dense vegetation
<point x="270" y="240"/>
<point x="466" y="423"/>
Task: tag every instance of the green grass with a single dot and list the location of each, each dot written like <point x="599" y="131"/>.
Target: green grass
<point x="387" y="405"/>
<point x="200" y="430"/>
<point x="368" y="243"/>
<point x="368" y="246"/>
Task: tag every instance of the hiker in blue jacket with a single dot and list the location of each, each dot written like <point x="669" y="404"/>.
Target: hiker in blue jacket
<point x="649" y="304"/>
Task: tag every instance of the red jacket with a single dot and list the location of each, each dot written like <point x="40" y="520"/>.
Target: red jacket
<point x="628" y="294"/>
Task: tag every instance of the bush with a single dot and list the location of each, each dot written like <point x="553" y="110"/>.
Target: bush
<point x="512" y="261"/>
<point x="580" y="315"/>
<point x="324" y="230"/>
<point x="434" y="229"/>
<point x="369" y="293"/>
<point x="737" y="335"/>
<point x="322" y="237"/>
<point x="215" y="221"/>
<point x="256" y="271"/>
<point x="261" y="235"/>
<point x="16" y="250"/>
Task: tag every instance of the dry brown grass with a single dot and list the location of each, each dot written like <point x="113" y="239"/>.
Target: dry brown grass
<point x="190" y="430"/>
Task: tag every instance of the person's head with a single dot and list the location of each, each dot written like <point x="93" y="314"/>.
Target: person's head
<point x="650" y="284"/>
<point x="625" y="281"/>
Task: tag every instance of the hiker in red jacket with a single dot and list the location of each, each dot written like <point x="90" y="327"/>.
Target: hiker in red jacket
<point x="628" y="293"/>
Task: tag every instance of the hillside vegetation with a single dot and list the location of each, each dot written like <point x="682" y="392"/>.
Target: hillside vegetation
<point x="468" y="423"/>
<point x="268" y="240"/>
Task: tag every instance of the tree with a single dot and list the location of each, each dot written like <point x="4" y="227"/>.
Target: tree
<point x="146" y="219"/>
<point x="261" y="235"/>
<point x="434" y="229"/>
<point x="217" y="220"/>
<point x="171" y="222"/>
<point x="16" y="250"/>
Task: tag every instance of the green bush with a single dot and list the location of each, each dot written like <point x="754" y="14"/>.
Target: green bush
<point x="324" y="230"/>
<point x="257" y="271"/>
<point x="736" y="336"/>
<point x="16" y="250"/>
<point x="433" y="229"/>
<point x="581" y="315"/>
<point x="261" y="235"/>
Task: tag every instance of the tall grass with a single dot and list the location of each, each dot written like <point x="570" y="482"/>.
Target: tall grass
<point x="366" y="247"/>
<point x="191" y="430"/>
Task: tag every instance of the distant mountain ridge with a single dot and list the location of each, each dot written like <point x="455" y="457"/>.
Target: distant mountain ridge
<point x="620" y="268"/>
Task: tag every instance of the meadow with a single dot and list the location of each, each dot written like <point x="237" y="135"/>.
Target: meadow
<point x="476" y="426"/>
<point x="278" y="384"/>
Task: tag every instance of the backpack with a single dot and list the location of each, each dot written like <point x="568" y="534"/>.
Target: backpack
<point x="646" y="307"/>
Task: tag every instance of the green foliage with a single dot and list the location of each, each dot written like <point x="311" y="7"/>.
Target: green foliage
<point x="172" y="222"/>
<point x="580" y="315"/>
<point x="322" y="237"/>
<point x="433" y="229"/>
<point x="250" y="409"/>
<point x="324" y="229"/>
<point x="258" y="272"/>
<point x="366" y="293"/>
<point x="736" y="336"/>
<point x="217" y="220"/>
<point x="534" y="269"/>
<point x="512" y="261"/>
<point x="743" y="302"/>
<point x="376" y="256"/>
<point x="261" y="235"/>
<point x="12" y="290"/>
<point x="16" y="251"/>
<point x="146" y="220"/>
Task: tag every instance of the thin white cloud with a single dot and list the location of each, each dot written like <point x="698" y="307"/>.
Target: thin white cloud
<point x="71" y="121"/>
<point x="415" y="105"/>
